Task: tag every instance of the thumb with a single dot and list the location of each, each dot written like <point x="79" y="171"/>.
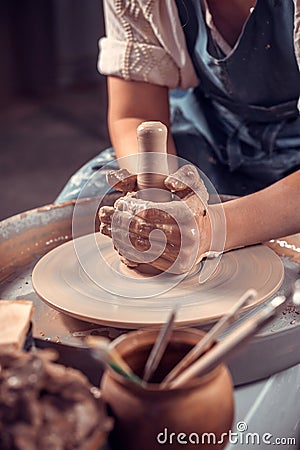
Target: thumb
<point x="122" y="180"/>
<point x="186" y="180"/>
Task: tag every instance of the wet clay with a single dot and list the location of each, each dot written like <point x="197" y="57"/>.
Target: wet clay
<point x="288" y="246"/>
<point x="152" y="163"/>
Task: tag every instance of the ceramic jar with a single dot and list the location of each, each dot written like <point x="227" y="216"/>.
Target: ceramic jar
<point x="197" y="415"/>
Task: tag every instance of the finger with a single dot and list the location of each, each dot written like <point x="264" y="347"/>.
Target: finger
<point x="141" y="228"/>
<point x="160" y="263"/>
<point x="162" y="212"/>
<point x="185" y="179"/>
<point x="122" y="180"/>
<point x="142" y="244"/>
<point x="156" y="216"/>
<point x="105" y="229"/>
<point x="157" y="248"/>
<point x="172" y="213"/>
<point x="173" y="227"/>
<point x="177" y="210"/>
<point x="138" y="228"/>
<point x="178" y="262"/>
<point x="105" y="214"/>
<point x="141" y="252"/>
<point x="150" y="211"/>
<point x="127" y="262"/>
<point x="164" y="263"/>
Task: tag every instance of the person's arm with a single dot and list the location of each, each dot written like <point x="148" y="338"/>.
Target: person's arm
<point x="267" y="214"/>
<point x="133" y="102"/>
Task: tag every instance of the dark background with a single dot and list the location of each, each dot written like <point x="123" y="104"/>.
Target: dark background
<point x="52" y="99"/>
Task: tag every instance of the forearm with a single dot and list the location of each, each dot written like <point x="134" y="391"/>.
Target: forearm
<point x="131" y="103"/>
<point x="124" y="135"/>
<point x="270" y="213"/>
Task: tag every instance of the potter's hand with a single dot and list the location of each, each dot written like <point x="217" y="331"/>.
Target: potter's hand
<point x="170" y="236"/>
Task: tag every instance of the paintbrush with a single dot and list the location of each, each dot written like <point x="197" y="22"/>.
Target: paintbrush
<point x="225" y="348"/>
<point x="103" y="351"/>
<point x="211" y="336"/>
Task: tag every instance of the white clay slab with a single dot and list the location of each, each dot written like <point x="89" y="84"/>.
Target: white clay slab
<point x="85" y="279"/>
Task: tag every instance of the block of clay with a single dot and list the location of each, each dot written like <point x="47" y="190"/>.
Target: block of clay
<point x="15" y="317"/>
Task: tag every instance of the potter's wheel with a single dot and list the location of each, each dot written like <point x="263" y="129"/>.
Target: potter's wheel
<point x="85" y="278"/>
<point x="25" y="238"/>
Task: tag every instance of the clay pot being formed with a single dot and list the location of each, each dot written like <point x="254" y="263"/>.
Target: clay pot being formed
<point x="197" y="415"/>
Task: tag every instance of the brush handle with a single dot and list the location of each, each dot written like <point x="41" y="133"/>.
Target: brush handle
<point x="152" y="161"/>
<point x="207" y="341"/>
<point x="224" y="349"/>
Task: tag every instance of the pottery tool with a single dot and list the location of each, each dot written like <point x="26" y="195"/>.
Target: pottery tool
<point x="159" y="346"/>
<point x="225" y="348"/>
<point x="103" y="351"/>
<point x="212" y="335"/>
<point x="152" y="161"/>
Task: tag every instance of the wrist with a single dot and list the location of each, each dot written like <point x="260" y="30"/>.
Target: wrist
<point x="213" y="231"/>
<point x="205" y="234"/>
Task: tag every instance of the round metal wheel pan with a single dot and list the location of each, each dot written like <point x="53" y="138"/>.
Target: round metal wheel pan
<point x="26" y="237"/>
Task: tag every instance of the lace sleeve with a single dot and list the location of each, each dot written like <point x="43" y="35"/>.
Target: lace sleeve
<point x="144" y="42"/>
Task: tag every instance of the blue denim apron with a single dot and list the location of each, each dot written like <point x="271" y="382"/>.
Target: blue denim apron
<point x="244" y="111"/>
<point x="241" y="125"/>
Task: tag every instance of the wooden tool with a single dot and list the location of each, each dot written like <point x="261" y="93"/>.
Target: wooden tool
<point x="222" y="351"/>
<point x="152" y="161"/>
<point x="209" y="339"/>
<point x="159" y="346"/>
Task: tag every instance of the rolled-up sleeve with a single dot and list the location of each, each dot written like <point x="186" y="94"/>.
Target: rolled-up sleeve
<point x="144" y="41"/>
